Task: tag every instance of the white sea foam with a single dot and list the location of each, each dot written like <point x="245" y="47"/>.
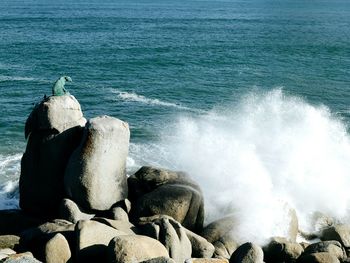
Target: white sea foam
<point x="132" y="96"/>
<point x="9" y="173"/>
<point x="259" y="158"/>
<point x="15" y="78"/>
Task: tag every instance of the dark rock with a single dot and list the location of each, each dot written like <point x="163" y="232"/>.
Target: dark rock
<point x="206" y="260"/>
<point x="281" y="250"/>
<point x="54" y="128"/>
<point x="201" y="248"/>
<point x="13" y="222"/>
<point x="159" y="260"/>
<point x="322" y="257"/>
<point x="155" y="191"/>
<point x="333" y="247"/>
<point x="225" y="246"/>
<point x="95" y="177"/>
<point x="247" y="253"/>
<point x="135" y="248"/>
<point x="340" y="233"/>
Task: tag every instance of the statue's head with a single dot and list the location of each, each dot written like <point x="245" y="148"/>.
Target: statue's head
<point x="66" y="78"/>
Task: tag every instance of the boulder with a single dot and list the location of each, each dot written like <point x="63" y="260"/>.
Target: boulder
<point x="120" y="225"/>
<point x="57" y="250"/>
<point x="119" y="213"/>
<point x="55" y="129"/>
<point x="95" y="177"/>
<point x="35" y="239"/>
<point x="207" y="260"/>
<point x="71" y="211"/>
<point x="333" y="247"/>
<point x="340" y="233"/>
<point x="171" y="234"/>
<point x="155" y="191"/>
<point x="9" y="241"/>
<point x="14" y="221"/>
<point x="135" y="248"/>
<point x="322" y="257"/>
<point x="201" y="248"/>
<point x="25" y="257"/>
<point x="281" y="250"/>
<point x="6" y="252"/>
<point x="92" y="239"/>
<point x="247" y="253"/>
<point x="225" y="246"/>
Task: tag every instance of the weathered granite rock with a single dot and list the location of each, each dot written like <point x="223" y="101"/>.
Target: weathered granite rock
<point x="6" y="252"/>
<point x="247" y="253"/>
<point x="92" y="239"/>
<point x="119" y="213"/>
<point x="9" y="241"/>
<point x="155" y="191"/>
<point x="14" y="221"/>
<point x="35" y="239"/>
<point x="120" y="225"/>
<point x="333" y="247"/>
<point x="206" y="260"/>
<point x="134" y="248"/>
<point x="70" y="211"/>
<point x="281" y="250"/>
<point x="95" y="177"/>
<point x="57" y="250"/>
<point x="159" y="260"/>
<point x="225" y="246"/>
<point x="54" y="128"/>
<point x="26" y="257"/>
<point x="340" y="233"/>
<point x="170" y="233"/>
<point x="322" y="257"/>
<point x="201" y="248"/>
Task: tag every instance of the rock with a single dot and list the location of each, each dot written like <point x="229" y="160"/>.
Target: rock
<point x="57" y="250"/>
<point x="340" y="233"/>
<point x="71" y="212"/>
<point x="281" y="250"/>
<point x="121" y="225"/>
<point x="119" y="213"/>
<point x="247" y="253"/>
<point x="201" y="248"/>
<point x="92" y="240"/>
<point x="333" y="247"/>
<point x="155" y="191"/>
<point x="225" y="246"/>
<point x="9" y="241"/>
<point x="6" y="252"/>
<point x="135" y="248"/>
<point x="55" y="129"/>
<point x="322" y="257"/>
<point x="95" y="177"/>
<point x="171" y="234"/>
<point x="159" y="260"/>
<point x="217" y="229"/>
<point x="35" y="239"/>
<point x="26" y="257"/>
<point x="207" y="260"/>
<point x="14" y="221"/>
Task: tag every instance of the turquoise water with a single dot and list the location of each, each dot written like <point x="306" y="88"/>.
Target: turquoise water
<point x="198" y="81"/>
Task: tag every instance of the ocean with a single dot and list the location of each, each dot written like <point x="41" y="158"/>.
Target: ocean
<point x="251" y="98"/>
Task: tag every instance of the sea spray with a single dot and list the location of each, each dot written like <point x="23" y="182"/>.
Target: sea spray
<point x="259" y="158"/>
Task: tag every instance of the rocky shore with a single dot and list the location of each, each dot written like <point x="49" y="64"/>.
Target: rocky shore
<point x="78" y="204"/>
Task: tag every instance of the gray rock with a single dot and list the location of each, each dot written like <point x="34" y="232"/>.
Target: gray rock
<point x="26" y="257"/>
<point x="55" y="129"/>
<point x="70" y="211"/>
<point x="92" y="239"/>
<point x="247" y="253"/>
<point x="9" y="241"/>
<point x="155" y="191"/>
<point x="134" y="248"/>
<point x="340" y="233"/>
<point x="57" y="250"/>
<point x="281" y="250"/>
<point x="159" y="260"/>
<point x="121" y="225"/>
<point x="322" y="257"/>
<point x="225" y="246"/>
<point x="201" y="248"/>
<point x="333" y="247"/>
<point x="171" y="234"/>
<point x="95" y="177"/>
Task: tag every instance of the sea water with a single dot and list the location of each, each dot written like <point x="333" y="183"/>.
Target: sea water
<point x="250" y="98"/>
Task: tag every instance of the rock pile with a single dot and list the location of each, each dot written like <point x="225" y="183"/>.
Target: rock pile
<point x="78" y="205"/>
